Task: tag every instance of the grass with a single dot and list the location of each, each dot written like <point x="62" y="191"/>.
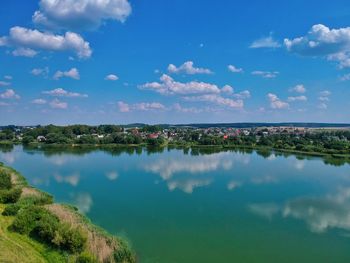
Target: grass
<point x="16" y="248"/>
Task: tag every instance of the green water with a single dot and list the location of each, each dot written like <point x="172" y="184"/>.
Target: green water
<point x="194" y="206"/>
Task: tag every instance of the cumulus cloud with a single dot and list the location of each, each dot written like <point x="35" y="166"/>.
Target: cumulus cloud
<point x="57" y="104"/>
<point x="24" y="52"/>
<point x="234" y="69"/>
<point x="265" y="42"/>
<point x="40" y="71"/>
<point x="59" y="92"/>
<point x="39" y="101"/>
<point x="168" y="85"/>
<point x="188" y="68"/>
<point x="111" y="77"/>
<point x="298" y="88"/>
<point x="178" y="107"/>
<point x="24" y="39"/>
<point x="9" y="94"/>
<point x="321" y="41"/>
<point x="142" y="106"/>
<point x="297" y="98"/>
<point x="218" y="100"/>
<point x="266" y="74"/>
<point x="227" y="89"/>
<point x="4" y="83"/>
<point x="323" y="99"/>
<point x="245" y="94"/>
<point x="276" y="103"/>
<point x="80" y="14"/>
<point x="72" y="73"/>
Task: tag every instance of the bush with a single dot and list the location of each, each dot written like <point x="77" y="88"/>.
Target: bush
<point x="123" y="253"/>
<point x="11" y="210"/>
<point x="70" y="239"/>
<point x="42" y="199"/>
<point x="5" y="180"/>
<point x="46" y="227"/>
<point x="29" y="218"/>
<point x="10" y="196"/>
<point x="86" y="257"/>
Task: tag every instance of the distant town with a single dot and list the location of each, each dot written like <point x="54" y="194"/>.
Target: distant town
<point x="310" y="138"/>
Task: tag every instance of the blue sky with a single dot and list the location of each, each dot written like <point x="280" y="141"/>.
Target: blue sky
<point x="181" y="61"/>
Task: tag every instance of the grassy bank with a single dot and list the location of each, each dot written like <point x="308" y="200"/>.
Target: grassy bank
<point x="35" y="229"/>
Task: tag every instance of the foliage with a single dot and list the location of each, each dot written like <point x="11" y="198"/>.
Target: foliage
<point x="11" y="210"/>
<point x="10" y="196"/>
<point x="5" y="179"/>
<point x="68" y="238"/>
<point x="86" y="257"/>
<point x="124" y="253"/>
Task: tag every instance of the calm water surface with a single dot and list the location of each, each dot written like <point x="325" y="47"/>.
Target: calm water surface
<point x="176" y="206"/>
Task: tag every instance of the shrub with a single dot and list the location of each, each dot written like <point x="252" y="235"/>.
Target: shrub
<point x="86" y="257"/>
<point x="27" y="219"/>
<point x="123" y="253"/>
<point x="10" y="196"/>
<point x="70" y="239"/>
<point x="11" y="210"/>
<point x="46" y="227"/>
<point x="5" y="180"/>
<point x="42" y="199"/>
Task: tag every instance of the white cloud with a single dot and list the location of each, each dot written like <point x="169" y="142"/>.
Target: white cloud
<point x="297" y="98"/>
<point x="298" y="88"/>
<point x="187" y="68"/>
<point x="123" y="107"/>
<point x="321" y="41"/>
<point x="142" y="106"/>
<point x="168" y="85"/>
<point x="24" y="38"/>
<point x="234" y="69"/>
<point x="111" y="77"/>
<point x="322" y="106"/>
<point x="325" y="93"/>
<point x="345" y="77"/>
<point x="72" y="73"/>
<point x="39" y="101"/>
<point x="265" y="42"/>
<point x="59" y="92"/>
<point x="266" y="74"/>
<point x="178" y="107"/>
<point x="245" y="94"/>
<point x="40" y="71"/>
<point x="323" y="98"/>
<point x="9" y="94"/>
<point x="218" y="100"/>
<point x="24" y="52"/>
<point x="276" y="103"/>
<point x="4" y="83"/>
<point x="227" y="89"/>
<point x="8" y="77"/>
<point x="80" y="14"/>
<point x="57" y="104"/>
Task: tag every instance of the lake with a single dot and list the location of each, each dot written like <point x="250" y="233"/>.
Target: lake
<point x="187" y="206"/>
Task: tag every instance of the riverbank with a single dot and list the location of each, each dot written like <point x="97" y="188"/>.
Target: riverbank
<point x="35" y="229"/>
<point x="125" y="147"/>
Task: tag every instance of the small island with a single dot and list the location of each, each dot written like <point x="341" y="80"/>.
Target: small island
<point x="33" y="228"/>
